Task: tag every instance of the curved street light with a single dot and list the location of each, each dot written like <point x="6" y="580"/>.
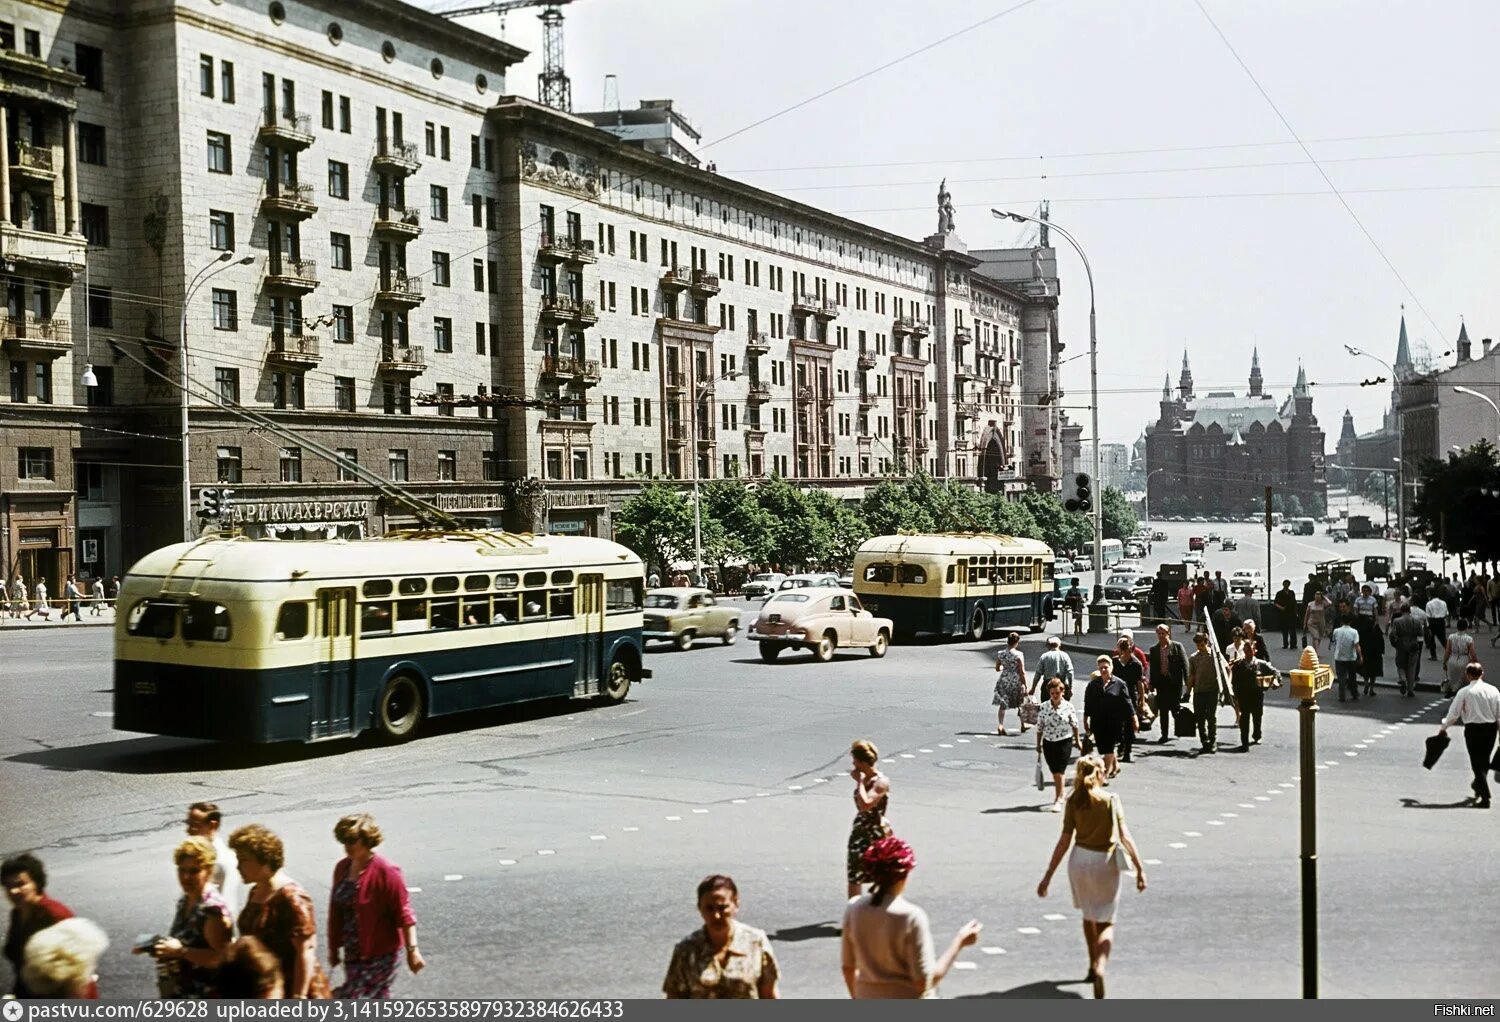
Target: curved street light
<point x="1099" y="607"/>
<point x="1483" y="397"/>
<point x="1146" y="504"/>
<point x="1400" y="446"/>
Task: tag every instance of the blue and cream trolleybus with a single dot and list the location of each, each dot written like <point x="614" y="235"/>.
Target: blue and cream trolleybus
<point x="268" y="641"/>
<point x="955" y="583"/>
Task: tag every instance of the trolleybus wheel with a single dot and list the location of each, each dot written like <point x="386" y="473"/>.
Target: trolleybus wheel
<point x="617" y="681"/>
<point x="400" y="708"/>
<point x="977" y="624"/>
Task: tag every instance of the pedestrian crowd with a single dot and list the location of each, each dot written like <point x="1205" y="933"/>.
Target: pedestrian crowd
<point x="242" y="926"/>
<point x="20" y="601"/>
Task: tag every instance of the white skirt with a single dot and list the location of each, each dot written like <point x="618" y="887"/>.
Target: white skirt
<point x="1096" y="884"/>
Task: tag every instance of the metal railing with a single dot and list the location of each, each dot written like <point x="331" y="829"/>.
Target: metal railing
<point x="563" y="365"/>
<point x="287" y="124"/>
<point x="30" y="327"/>
<point x="33" y="157"/>
<point x="306" y="345"/>
<point x="285" y="191"/>
<point x="294" y="269"/>
<point x="399" y="216"/>
<point x="397" y="356"/>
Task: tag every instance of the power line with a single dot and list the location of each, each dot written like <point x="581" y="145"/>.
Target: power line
<point x="1318" y="166"/>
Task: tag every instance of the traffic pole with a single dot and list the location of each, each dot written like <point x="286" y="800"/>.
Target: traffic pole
<point x="1307" y="714"/>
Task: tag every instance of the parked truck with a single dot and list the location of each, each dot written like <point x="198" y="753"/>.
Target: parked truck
<point x="1360" y="527"/>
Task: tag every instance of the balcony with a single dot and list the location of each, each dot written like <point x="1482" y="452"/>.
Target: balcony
<point x="293" y="276"/>
<point x="962" y="336"/>
<point x="33" y="162"/>
<point x="866" y="360"/>
<point x="967" y="409"/>
<point x="903" y="326"/>
<point x="759" y="393"/>
<point x="826" y="308"/>
<point x="866" y="400"/>
<point x="566" y="250"/>
<point x="578" y="370"/>
<point x="293" y="201"/>
<point x="920" y="329"/>
<point x="963" y="374"/>
<point x="399" y="289"/>
<point x="676" y="278"/>
<point x="758" y="344"/>
<point x="705" y="283"/>
<point x="677" y="433"/>
<point x="32" y="335"/>
<point x="398" y="157"/>
<point x="675" y="379"/>
<point x="398" y="223"/>
<point x="923" y="444"/>
<point x="804" y="395"/>
<point x="286" y="130"/>
<point x="706" y="432"/>
<point x="825" y="398"/>
<point x="40" y="253"/>
<point x="402" y="361"/>
<point x="294" y="351"/>
<point x="566" y="308"/>
<point x="805" y="304"/>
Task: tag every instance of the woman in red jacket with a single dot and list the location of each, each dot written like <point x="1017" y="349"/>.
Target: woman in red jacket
<point x="369" y="913"/>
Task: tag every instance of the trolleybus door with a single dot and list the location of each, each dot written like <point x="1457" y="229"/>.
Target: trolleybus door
<point x="333" y="690"/>
<point x="589" y="648"/>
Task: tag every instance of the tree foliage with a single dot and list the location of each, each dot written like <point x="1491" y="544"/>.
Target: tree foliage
<point x="657" y="523"/>
<point x="1452" y="508"/>
<point x="1119" y="518"/>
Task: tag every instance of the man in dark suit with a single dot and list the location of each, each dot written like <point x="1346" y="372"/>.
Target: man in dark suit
<point x="1169" y="671"/>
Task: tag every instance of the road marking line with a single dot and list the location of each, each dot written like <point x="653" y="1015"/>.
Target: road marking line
<point x="630" y="830"/>
<point x="924" y="750"/>
<point x="762" y="794"/>
<point x="1286" y="784"/>
<point x="1215" y="823"/>
<point x="1247" y="805"/>
<point x="701" y="812"/>
<point x="1360" y="745"/>
<point x="597" y="837"/>
<point x="1274" y="791"/>
<point x="794" y="787"/>
<point x="1262" y="798"/>
<point x="1322" y="767"/>
<point x="1028" y="930"/>
<point x="820" y="780"/>
<point x="944" y="745"/>
<point x="965" y="741"/>
<point x="414" y="890"/>
<point x="1176" y="844"/>
<point x="1231" y="816"/>
<point x="507" y="862"/>
<point x="992" y="950"/>
<point x="1191" y="833"/>
<point x="964" y="965"/>
<point x="674" y="819"/>
<point x="1351" y="754"/>
<point x="453" y="876"/>
<point x="1054" y="917"/>
<point x="737" y="801"/>
<point x="908" y="755"/>
<point x="1151" y="862"/>
<point x="545" y="851"/>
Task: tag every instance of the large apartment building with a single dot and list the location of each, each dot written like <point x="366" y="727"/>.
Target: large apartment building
<point x="365" y="242"/>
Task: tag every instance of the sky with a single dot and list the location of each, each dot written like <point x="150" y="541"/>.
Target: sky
<point x="1207" y="225"/>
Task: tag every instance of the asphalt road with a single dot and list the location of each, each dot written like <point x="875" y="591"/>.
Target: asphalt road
<point x="553" y="850"/>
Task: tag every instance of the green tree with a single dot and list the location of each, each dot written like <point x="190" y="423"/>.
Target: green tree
<point x="1377" y="487"/>
<point x="845" y="527"/>
<point x="1012" y="518"/>
<point x="735" y="526"/>
<point x="657" y="523"/>
<point x="892" y="507"/>
<point x="1119" y="518"/>
<point x="1057" y="527"/>
<point x="1452" y="508"/>
<point x="798" y="534"/>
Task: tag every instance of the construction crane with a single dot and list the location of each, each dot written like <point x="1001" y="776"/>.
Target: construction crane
<point x="552" y="86"/>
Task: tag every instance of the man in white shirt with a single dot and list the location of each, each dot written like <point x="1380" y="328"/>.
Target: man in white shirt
<point x="203" y="819"/>
<point x="1053" y="664"/>
<point x="1437" y="623"/>
<point x="1346" y="658"/>
<point x="1477" y="708"/>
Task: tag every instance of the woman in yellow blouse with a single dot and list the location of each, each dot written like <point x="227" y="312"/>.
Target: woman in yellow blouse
<point x="725" y="959"/>
<point x="1097" y="823"/>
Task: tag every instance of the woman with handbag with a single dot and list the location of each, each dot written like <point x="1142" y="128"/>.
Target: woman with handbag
<point x="872" y="793"/>
<point x="1010" y="686"/>
<point x="201" y="928"/>
<point x="1095" y="824"/>
<point x="1056" y="738"/>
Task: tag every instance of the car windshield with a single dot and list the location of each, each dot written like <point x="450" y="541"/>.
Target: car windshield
<point x="789" y="598"/>
<point x="661" y="601"/>
<point x="765" y="578"/>
<point x="1121" y="580"/>
<point x="1245" y="573"/>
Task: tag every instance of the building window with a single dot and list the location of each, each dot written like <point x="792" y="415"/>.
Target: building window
<point x="346" y="120"/>
<point x="479" y="275"/>
<point x="327" y="110"/>
<point x="18" y="382"/>
<point x="96" y="224"/>
<point x="220" y="158"/>
<point x="220" y="230"/>
<point x="33" y="41"/>
<point x="226" y="81"/>
<point x="91" y="147"/>
<point x="440" y="269"/>
<point x="89" y="62"/>
<point x="34" y="463"/>
<point x="103" y="394"/>
<point x="474" y="154"/>
<point x="446" y="140"/>
<point x="44" y="382"/>
<point x="288" y="390"/>
<point x="396" y="464"/>
<point x="206" y="76"/>
<point x="343" y="324"/>
<point x="442" y="333"/>
<point x="554" y="464"/>
<point x="580" y="464"/>
<point x="227" y="382"/>
<point x="447" y="469"/>
<point x="445" y="400"/>
<point x="226" y="315"/>
<point x="291" y="464"/>
<point x="490" y="463"/>
<point x="102" y="307"/>
<point x="338" y="180"/>
<point x="231" y="465"/>
<point x="339" y="248"/>
<point x="346" y="473"/>
<point x="439" y="196"/>
<point x="431" y="138"/>
<point x="343" y="393"/>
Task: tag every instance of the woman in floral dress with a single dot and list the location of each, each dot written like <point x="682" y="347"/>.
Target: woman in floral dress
<point x="1010" y="686"/>
<point x="369" y="916"/>
<point x="872" y="791"/>
<point x="278" y="912"/>
<point x="201" y="929"/>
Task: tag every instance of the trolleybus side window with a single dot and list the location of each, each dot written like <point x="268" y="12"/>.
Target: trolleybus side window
<point x="411" y="615"/>
<point x="950" y="574"/>
<point x="205" y="621"/>
<point x="535" y="579"/>
<point x="155" y="619"/>
<point x="413" y="586"/>
<point x="622" y="594"/>
<point x="882" y="572"/>
<point x="562" y="577"/>
<point x="445" y="612"/>
<point x="292" y="620"/>
<point x="476" y="583"/>
<point x="376" y="588"/>
<point x="507" y="606"/>
<point x="913" y="573"/>
<point x="476" y="611"/>
<point x="562" y="600"/>
<point x="375" y="618"/>
<point x="445" y="584"/>
<point x="507" y="581"/>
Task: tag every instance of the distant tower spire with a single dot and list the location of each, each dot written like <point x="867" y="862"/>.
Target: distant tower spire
<point x="1256" y="380"/>
<point x="1301" y="389"/>
<point x="1403" y="349"/>
<point x="1185" y="381"/>
<point x="1166" y="387"/>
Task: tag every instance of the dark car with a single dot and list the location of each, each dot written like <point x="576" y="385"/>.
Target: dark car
<point x="1129" y="588"/>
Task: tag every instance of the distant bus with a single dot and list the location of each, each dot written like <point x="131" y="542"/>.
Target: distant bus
<point x="1111" y="552"/>
<point x="264" y="641"/>
<point x="1276" y="517"/>
<point x="1300" y="527"/>
<point x="956" y="583"/>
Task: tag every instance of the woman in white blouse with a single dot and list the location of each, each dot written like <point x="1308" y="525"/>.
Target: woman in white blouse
<point x="1057" y="737"/>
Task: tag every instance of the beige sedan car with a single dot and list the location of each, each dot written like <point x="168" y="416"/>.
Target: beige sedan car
<point x="820" y="620"/>
<point x="682" y="614"/>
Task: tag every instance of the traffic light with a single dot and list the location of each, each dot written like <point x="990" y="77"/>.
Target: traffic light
<point x="1083" y="496"/>
<point x="224" y="494"/>
<point x="208" y="503"/>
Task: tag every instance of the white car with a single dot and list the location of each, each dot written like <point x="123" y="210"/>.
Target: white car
<point x="1193" y="557"/>
<point x="1062" y="568"/>
<point x="761" y="586"/>
<point x="1247" y="580"/>
<point x="1130" y="566"/>
<point x="1084" y="563"/>
<point x="817" y="581"/>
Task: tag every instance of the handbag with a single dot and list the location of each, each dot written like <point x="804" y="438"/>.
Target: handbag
<point x="1041" y="780"/>
<point x="1028" y="711"/>
<point x="1120" y="858"/>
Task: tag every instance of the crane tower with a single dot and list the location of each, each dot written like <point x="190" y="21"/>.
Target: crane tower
<point x="552" y="86"/>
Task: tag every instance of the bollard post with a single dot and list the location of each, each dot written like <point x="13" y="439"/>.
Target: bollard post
<point x="1308" y="679"/>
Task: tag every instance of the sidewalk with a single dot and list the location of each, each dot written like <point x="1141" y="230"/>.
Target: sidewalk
<point x="104" y="620"/>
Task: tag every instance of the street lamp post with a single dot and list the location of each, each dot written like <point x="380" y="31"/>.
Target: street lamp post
<point x="699" y="392"/>
<point x="1385" y="479"/>
<point x="220" y="263"/>
<point x="1483" y="397"/>
<point x="1400" y="446"/>
<point x="1146" y="503"/>
<point x="1099" y="608"/>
